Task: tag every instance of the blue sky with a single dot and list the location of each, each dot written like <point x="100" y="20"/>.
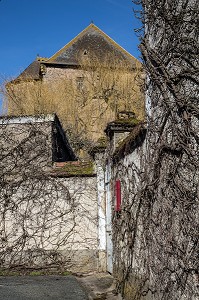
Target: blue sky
<point x="31" y="27"/>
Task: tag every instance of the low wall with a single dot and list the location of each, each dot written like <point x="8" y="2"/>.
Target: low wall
<point x="49" y="223"/>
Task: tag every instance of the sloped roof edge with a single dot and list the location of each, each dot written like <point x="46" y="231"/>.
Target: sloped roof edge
<point x="54" y="56"/>
<point x="32" y="72"/>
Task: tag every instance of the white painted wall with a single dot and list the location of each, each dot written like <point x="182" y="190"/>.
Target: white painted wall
<point x="52" y="214"/>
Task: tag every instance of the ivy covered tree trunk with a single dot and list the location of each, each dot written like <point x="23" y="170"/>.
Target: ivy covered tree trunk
<point x="156" y="235"/>
<point x="170" y="195"/>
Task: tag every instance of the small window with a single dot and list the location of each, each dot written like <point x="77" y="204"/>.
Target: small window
<point x="80" y="83"/>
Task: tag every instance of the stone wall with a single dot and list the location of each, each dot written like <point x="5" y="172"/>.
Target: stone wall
<point x="126" y="166"/>
<point x="47" y="219"/>
<point x="50" y="223"/>
<point x="25" y="144"/>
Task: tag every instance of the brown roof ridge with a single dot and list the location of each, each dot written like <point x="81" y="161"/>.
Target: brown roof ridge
<point x="115" y="44"/>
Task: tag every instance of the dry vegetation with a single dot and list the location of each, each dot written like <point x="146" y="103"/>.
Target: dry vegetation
<point x="84" y="101"/>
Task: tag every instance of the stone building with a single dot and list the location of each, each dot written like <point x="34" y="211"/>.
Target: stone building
<point x="90" y="76"/>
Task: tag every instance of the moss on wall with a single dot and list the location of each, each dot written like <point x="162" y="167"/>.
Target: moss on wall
<point x="76" y="168"/>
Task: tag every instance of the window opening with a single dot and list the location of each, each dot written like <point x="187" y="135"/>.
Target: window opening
<point x="80" y="83"/>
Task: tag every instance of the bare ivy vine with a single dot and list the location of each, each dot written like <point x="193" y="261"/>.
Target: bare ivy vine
<point x="44" y="219"/>
<point x="157" y="232"/>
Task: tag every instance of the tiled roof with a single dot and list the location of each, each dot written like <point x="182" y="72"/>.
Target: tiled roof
<point x="90" y="40"/>
<point x="31" y="72"/>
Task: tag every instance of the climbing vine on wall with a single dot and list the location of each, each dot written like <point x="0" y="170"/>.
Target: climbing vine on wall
<point x="45" y="217"/>
<point x="158" y="236"/>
